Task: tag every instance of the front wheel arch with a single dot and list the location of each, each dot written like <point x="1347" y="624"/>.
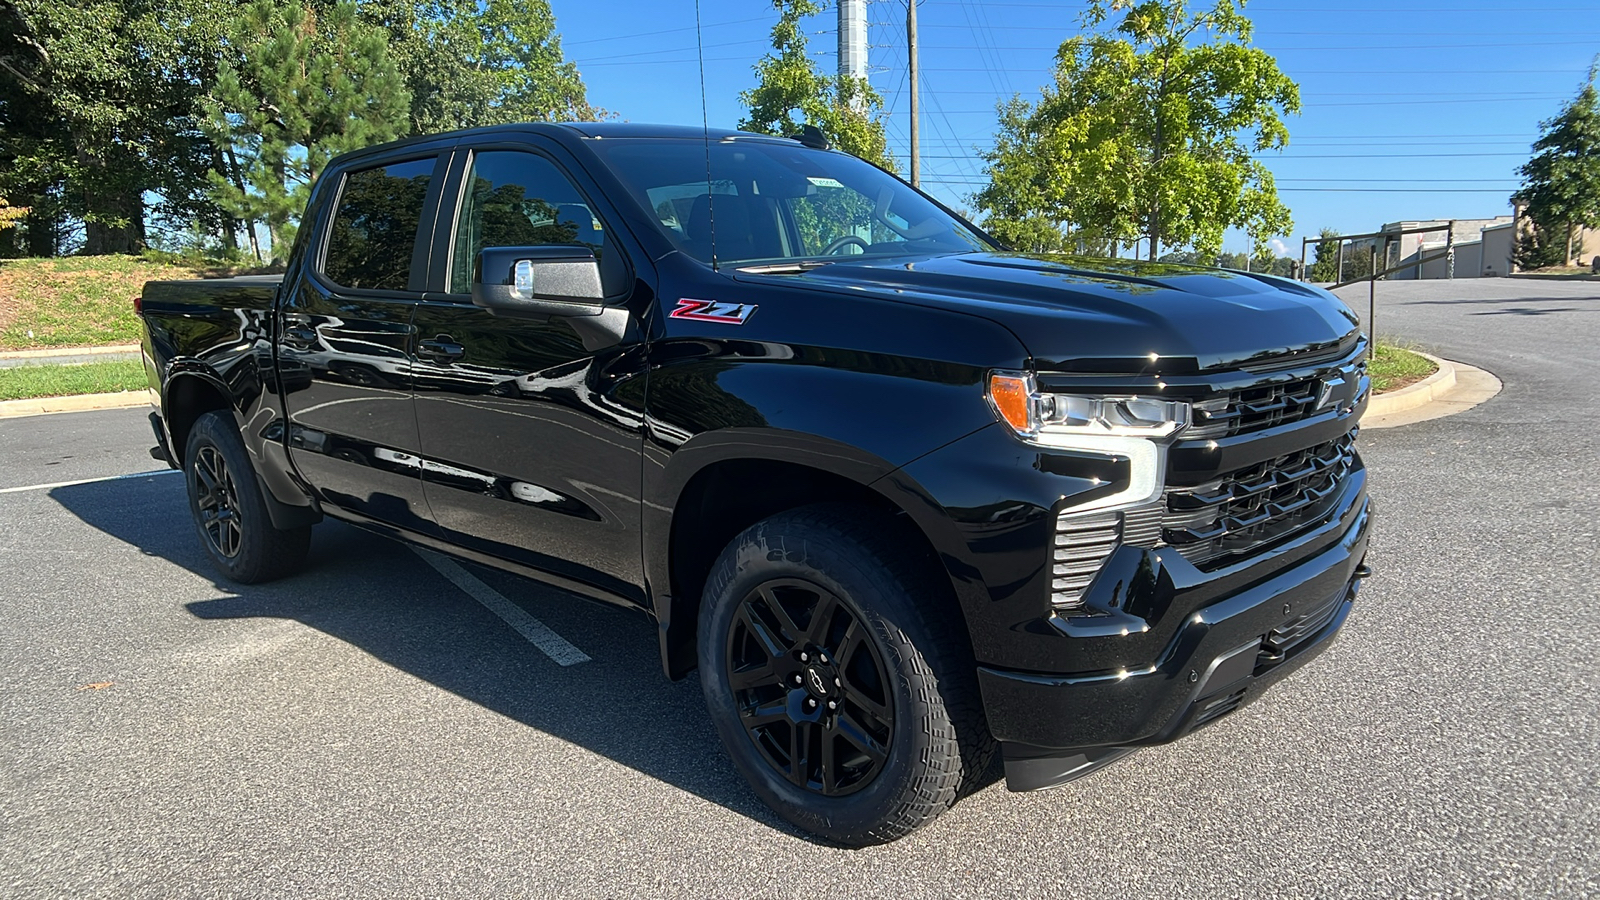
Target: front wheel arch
<point x="726" y="497"/>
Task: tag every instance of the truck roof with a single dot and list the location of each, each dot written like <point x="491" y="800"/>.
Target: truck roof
<point x="583" y="130"/>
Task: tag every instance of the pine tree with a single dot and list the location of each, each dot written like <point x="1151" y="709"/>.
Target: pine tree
<point x="1561" y="183"/>
<point x="1325" y="267"/>
<point x="304" y="86"/>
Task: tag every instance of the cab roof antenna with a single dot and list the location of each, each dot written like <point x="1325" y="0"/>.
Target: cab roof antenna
<point x="705" y="130"/>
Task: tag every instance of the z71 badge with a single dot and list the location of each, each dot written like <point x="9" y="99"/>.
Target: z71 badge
<point x="713" y="311"/>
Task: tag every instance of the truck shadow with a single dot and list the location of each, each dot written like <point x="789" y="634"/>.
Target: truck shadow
<point x="375" y="594"/>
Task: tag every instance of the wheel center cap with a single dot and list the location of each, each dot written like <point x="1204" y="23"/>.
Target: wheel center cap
<point x="819" y="684"/>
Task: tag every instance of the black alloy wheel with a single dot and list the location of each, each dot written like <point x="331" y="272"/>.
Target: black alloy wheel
<point x="217" y="502"/>
<point x="811" y="687"/>
<point x="229" y="509"/>
<point x="838" y="673"/>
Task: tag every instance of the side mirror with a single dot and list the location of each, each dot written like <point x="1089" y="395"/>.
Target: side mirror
<point x="556" y="280"/>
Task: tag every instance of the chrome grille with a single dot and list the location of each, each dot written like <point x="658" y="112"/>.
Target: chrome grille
<point x="1255" y="506"/>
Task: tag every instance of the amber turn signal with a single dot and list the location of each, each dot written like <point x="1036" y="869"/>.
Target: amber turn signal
<point x="1010" y="395"/>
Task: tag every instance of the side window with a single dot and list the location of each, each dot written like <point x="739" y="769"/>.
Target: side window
<point x="374" y="229"/>
<point x="516" y="199"/>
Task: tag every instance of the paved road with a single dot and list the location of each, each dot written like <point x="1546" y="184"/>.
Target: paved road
<point x="370" y="730"/>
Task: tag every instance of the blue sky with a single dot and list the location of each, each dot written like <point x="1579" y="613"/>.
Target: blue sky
<point x="1412" y="109"/>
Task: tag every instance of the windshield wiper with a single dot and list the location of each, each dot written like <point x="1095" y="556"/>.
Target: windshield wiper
<point x="787" y="268"/>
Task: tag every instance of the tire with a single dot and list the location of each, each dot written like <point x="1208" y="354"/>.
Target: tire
<point x="229" y="513"/>
<point x="905" y="737"/>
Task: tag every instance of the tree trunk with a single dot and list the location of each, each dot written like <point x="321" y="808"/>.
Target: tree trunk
<point x="102" y="237"/>
<point x="42" y="227"/>
<point x="113" y="219"/>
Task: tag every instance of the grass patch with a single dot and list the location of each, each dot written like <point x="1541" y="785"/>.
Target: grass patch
<point x="1393" y="367"/>
<point x="23" y="382"/>
<point x="83" y="301"/>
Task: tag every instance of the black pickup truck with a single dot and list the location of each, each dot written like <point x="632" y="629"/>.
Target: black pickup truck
<point x="904" y="498"/>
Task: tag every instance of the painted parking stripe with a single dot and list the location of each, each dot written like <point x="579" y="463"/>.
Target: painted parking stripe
<point x="538" y="634"/>
<point x="57" y="484"/>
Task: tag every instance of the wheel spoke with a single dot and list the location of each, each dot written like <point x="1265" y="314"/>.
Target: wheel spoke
<point x="852" y="731"/>
<point x="791" y="632"/>
<point x="829" y="782"/>
<point x="772" y="643"/>
<point x="208" y="480"/>
<point x="821" y="618"/>
<point x="854" y="637"/>
<point x="754" y="677"/>
<point x="765" y="714"/>
<point x="797" y="744"/>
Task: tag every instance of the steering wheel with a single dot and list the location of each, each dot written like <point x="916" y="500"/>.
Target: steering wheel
<point x="839" y="243"/>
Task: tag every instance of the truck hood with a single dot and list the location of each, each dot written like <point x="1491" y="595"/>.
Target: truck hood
<point x="1108" y="315"/>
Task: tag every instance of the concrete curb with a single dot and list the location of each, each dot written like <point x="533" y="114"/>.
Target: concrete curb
<point x="39" y="406"/>
<point x="1456" y="387"/>
<point x="68" y="351"/>
<point x="1412" y="396"/>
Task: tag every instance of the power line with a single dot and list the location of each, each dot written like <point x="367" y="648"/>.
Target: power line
<point x="1279" y="50"/>
<point x="624" y="37"/>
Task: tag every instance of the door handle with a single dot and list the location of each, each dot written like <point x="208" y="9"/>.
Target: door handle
<point x="441" y="349"/>
<point x="300" y="334"/>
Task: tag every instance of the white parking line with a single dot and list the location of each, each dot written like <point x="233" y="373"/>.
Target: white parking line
<point x="538" y="634"/>
<point x="56" y="484"/>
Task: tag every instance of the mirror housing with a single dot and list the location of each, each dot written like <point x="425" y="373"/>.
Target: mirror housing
<point x="555" y="280"/>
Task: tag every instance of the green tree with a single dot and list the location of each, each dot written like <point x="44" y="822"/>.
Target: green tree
<point x="1325" y="267"/>
<point x="302" y="87"/>
<point x="97" y="114"/>
<point x="468" y="64"/>
<point x="1561" y="182"/>
<point x="843" y="108"/>
<point x="1149" y="131"/>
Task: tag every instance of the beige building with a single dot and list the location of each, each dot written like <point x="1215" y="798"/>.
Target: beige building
<point x="1585" y="241"/>
<point x="1496" y="250"/>
<point x="1467" y="236"/>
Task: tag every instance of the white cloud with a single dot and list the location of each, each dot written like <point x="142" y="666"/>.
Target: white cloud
<point x="1279" y="247"/>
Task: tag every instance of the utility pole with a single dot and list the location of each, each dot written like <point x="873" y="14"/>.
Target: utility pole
<point x="853" y="42"/>
<point x="911" y="54"/>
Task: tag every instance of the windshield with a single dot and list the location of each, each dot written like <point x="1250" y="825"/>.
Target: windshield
<point x="775" y="203"/>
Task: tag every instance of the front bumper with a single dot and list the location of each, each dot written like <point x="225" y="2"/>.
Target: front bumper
<point x="1056" y="727"/>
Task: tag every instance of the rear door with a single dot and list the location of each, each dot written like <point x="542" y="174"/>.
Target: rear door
<point x="346" y="338"/>
<point x="531" y="441"/>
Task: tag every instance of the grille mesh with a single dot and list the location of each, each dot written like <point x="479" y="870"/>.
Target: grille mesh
<point x="1250" y="508"/>
<point x="1254" y="409"/>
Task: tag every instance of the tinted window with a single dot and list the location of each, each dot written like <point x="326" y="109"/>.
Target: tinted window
<point x="775" y="201"/>
<point x="374" y="230"/>
<point x="522" y="200"/>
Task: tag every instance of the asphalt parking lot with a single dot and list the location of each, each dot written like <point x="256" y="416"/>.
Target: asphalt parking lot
<point x="370" y="729"/>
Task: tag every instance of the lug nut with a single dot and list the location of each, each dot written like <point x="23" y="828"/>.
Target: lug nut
<point x="832" y="705"/>
<point x="811" y="704"/>
<point x="822" y="657"/>
<point x="838" y="683"/>
<point x="799" y="681"/>
<point x="804" y="657"/>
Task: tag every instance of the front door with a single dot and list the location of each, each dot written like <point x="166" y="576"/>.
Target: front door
<point x="345" y="338"/>
<point x="530" y="442"/>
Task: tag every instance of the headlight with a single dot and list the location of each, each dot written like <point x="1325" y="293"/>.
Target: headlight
<point x="1038" y="416"/>
<point x="1137" y="429"/>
